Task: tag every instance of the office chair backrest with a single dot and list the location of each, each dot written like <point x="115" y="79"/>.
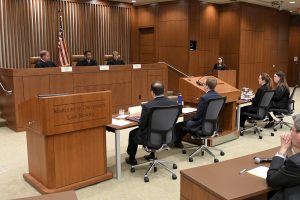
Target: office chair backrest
<point x="291" y="100"/>
<point x="264" y="104"/>
<point x="34" y="60"/>
<point x="75" y="59"/>
<point x="211" y="115"/>
<point x="161" y="124"/>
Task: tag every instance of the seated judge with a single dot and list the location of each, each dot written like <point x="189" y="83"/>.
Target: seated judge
<point x="44" y="60"/>
<point x="281" y="97"/>
<point x="87" y="60"/>
<point x="196" y="120"/>
<point x="220" y="65"/>
<point x="284" y="172"/>
<point x="116" y="60"/>
<point x="265" y="83"/>
<point x="138" y="135"/>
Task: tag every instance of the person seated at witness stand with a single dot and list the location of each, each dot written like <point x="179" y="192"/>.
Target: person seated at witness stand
<point x="87" y="60"/>
<point x="116" y="60"/>
<point x="284" y="171"/>
<point x="139" y="135"/>
<point x="196" y="120"/>
<point x="281" y="97"/>
<point x="220" y="65"/>
<point x="265" y="83"/>
<point x="44" y="60"/>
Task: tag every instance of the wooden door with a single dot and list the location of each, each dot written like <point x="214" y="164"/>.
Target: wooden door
<point x="146" y="45"/>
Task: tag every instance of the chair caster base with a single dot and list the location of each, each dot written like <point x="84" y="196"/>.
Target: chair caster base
<point x="174" y="177"/>
<point x="222" y="153"/>
<point x="191" y="159"/>
<point x="132" y="170"/>
<point x="174" y="166"/>
<point x="183" y="151"/>
<point x="155" y="169"/>
<point x="260" y="137"/>
<point x="241" y="134"/>
<point x="146" y="179"/>
<point x="216" y="160"/>
<point x="272" y="134"/>
<point x="202" y="153"/>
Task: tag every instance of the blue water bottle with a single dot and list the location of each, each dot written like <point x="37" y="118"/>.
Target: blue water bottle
<point x="179" y="99"/>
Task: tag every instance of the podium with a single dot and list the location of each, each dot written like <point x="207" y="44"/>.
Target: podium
<point x="191" y="92"/>
<point x="229" y="76"/>
<point x="66" y="140"/>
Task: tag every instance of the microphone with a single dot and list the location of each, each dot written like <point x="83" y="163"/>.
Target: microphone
<point x="258" y="160"/>
<point x="199" y="82"/>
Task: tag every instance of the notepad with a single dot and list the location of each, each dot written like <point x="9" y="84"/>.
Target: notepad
<point x="120" y="122"/>
<point x="260" y="171"/>
<point x="188" y="110"/>
<point x="122" y="116"/>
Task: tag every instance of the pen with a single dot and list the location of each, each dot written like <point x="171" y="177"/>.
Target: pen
<point x="242" y="171"/>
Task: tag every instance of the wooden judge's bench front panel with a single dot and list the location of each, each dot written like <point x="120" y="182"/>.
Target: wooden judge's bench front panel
<point x="129" y="86"/>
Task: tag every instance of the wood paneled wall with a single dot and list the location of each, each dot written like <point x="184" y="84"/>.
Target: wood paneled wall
<point x="293" y="76"/>
<point x="263" y="43"/>
<point x="29" y="26"/>
<point x="204" y="29"/>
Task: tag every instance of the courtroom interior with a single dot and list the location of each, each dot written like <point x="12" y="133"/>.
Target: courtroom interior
<point x="149" y="99"/>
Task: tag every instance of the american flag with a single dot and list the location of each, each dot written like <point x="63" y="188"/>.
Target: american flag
<point x="62" y="49"/>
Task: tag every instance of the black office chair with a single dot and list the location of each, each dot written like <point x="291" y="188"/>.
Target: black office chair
<point x="261" y="113"/>
<point x="208" y="129"/>
<point x="159" y="136"/>
<point x="281" y="113"/>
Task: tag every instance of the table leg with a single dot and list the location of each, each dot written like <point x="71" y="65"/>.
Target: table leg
<point x="118" y="154"/>
<point x="238" y="117"/>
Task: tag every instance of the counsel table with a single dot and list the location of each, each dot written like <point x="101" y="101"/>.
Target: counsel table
<point x="223" y="181"/>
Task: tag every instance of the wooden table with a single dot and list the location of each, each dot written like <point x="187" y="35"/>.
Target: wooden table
<point x="240" y="104"/>
<point x="70" y="195"/>
<point x="224" y="181"/>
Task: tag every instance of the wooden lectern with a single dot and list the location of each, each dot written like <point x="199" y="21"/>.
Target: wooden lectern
<point x="191" y="92"/>
<point x="66" y="140"/>
<point x="228" y="76"/>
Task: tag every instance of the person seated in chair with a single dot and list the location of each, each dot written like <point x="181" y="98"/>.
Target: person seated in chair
<point x="196" y="120"/>
<point x="281" y="97"/>
<point x="139" y="135"/>
<point x="284" y="171"/>
<point x="265" y="83"/>
<point x="87" y="60"/>
<point x="45" y="60"/>
<point x="116" y="60"/>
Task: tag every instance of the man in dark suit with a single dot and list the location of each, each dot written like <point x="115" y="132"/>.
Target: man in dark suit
<point x="138" y="135"/>
<point x="87" y="60"/>
<point x="196" y="120"/>
<point x="45" y="60"/>
<point x="116" y="60"/>
<point x="284" y="172"/>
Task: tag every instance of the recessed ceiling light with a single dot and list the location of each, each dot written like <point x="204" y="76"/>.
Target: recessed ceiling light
<point x="133" y="1"/>
<point x="292" y="2"/>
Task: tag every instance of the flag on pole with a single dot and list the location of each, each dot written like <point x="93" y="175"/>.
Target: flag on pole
<point x="62" y="48"/>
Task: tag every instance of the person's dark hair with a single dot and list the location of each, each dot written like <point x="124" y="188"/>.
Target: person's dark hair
<point x="282" y="79"/>
<point x="157" y="88"/>
<point x="267" y="79"/>
<point x="211" y="83"/>
<point x="87" y="51"/>
<point x="43" y="53"/>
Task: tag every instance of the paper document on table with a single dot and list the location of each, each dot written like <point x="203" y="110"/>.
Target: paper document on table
<point x="260" y="171"/>
<point x="122" y="116"/>
<point x="188" y="110"/>
<point x="120" y="122"/>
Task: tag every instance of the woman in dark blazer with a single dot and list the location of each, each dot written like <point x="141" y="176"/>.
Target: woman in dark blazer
<point x="266" y="84"/>
<point x="281" y="97"/>
<point x="220" y="65"/>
